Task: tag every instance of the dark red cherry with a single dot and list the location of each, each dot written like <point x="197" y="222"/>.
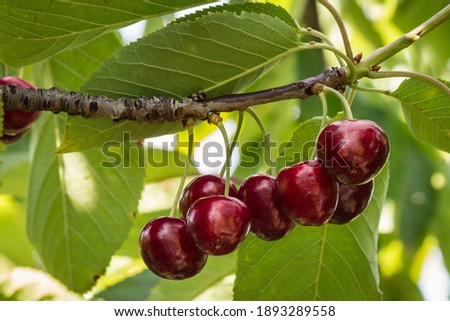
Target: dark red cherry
<point x="269" y="223"/>
<point x="16" y="122"/>
<point x="307" y="193"/>
<point x="6" y="139"/>
<point x="218" y="224"/>
<point x="352" y="151"/>
<point x="202" y="186"/>
<point x="353" y="200"/>
<point x="168" y="251"/>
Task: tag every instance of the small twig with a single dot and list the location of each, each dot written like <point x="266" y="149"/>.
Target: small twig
<point x="337" y="17"/>
<point x="160" y="109"/>
<point x="234" y="141"/>
<point x="408" y="74"/>
<point x="185" y="171"/>
<point x="384" y="53"/>
<point x="324" y="38"/>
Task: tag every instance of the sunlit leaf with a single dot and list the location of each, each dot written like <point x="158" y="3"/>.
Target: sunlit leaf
<point x="215" y="270"/>
<point x="27" y="284"/>
<point x="70" y="69"/>
<point x="330" y="262"/>
<point x="219" y="53"/>
<point x="427" y="111"/>
<point x="79" y="212"/>
<point x="31" y="31"/>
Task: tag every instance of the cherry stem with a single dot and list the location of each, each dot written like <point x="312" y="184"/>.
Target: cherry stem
<point x="266" y="136"/>
<point x="341" y="25"/>
<point x="234" y="141"/>
<point x="345" y="106"/>
<point x="351" y="96"/>
<point x="187" y="162"/>
<point x="227" y="159"/>
<point x="315" y="33"/>
<point x="323" y="100"/>
<point x="407" y="74"/>
<point x="367" y="89"/>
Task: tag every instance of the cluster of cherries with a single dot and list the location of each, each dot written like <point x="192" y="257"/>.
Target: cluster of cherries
<point x="16" y="122"/>
<point x="335" y="188"/>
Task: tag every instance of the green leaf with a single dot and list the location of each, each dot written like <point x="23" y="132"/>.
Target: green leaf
<point x="427" y="111"/>
<point x="31" y="31"/>
<point x="216" y="269"/>
<point x="269" y="9"/>
<point x="26" y="284"/>
<point x="79" y="211"/>
<point x="331" y="262"/>
<point x="416" y="203"/>
<point x="219" y="53"/>
<point x="12" y="221"/>
<point x="302" y="144"/>
<point x="70" y="69"/>
<point x="163" y="164"/>
<point x="135" y="288"/>
<point x="84" y="134"/>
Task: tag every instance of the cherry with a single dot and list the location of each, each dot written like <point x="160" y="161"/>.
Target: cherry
<point x="353" y="200"/>
<point x="268" y="222"/>
<point x="352" y="151"/>
<point x="168" y="251"/>
<point x="218" y="224"/>
<point x="7" y="139"/>
<point x="202" y="186"/>
<point x="16" y="122"/>
<point x="307" y="193"/>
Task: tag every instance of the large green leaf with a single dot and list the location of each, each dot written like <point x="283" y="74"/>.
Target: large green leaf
<point x="216" y="269"/>
<point x="79" y="212"/>
<point x="135" y="288"/>
<point x="70" y="69"/>
<point x="331" y="262"/>
<point x="31" y="31"/>
<point x="427" y="111"/>
<point x="219" y="53"/>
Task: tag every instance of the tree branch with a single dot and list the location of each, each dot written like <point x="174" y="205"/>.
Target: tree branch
<point x="160" y="109"/>
<point x="384" y="53"/>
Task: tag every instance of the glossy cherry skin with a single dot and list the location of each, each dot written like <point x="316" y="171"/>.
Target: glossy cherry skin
<point x="353" y="200"/>
<point x="6" y="139"/>
<point x="268" y="222"/>
<point x="202" y="186"/>
<point x="16" y="122"/>
<point x="307" y="193"/>
<point x="218" y="224"/>
<point x="168" y="251"/>
<point x="352" y="151"/>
